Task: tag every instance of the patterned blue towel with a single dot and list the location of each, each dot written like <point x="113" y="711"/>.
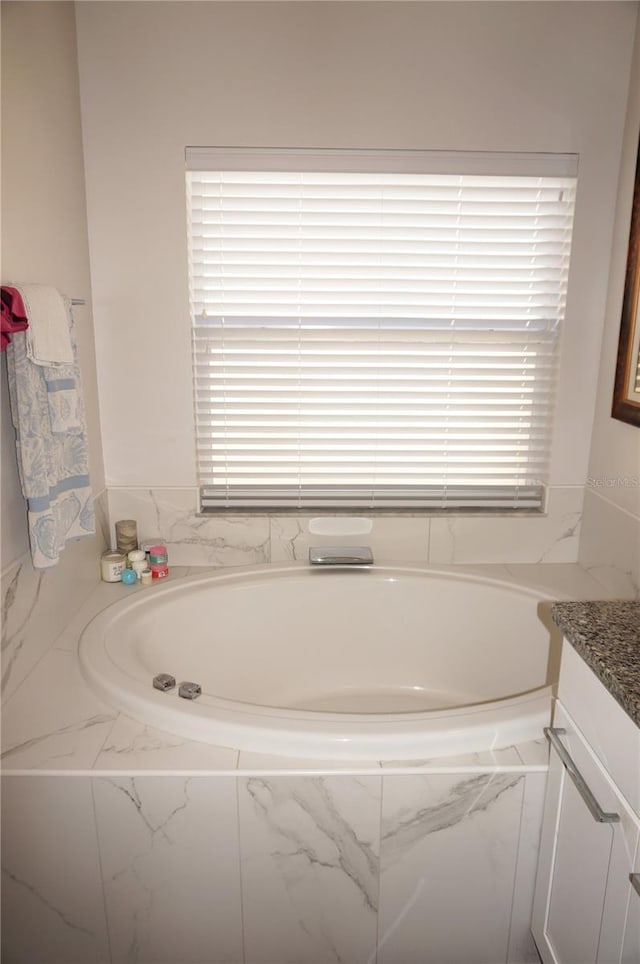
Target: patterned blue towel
<point x="48" y="415"/>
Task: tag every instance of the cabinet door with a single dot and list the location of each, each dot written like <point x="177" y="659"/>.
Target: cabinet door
<point x="577" y="855"/>
<point x="620" y="932"/>
<point x="631" y="943"/>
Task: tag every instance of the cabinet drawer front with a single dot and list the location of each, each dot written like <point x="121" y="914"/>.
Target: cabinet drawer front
<point x="554" y="735"/>
<point x="610" y="732"/>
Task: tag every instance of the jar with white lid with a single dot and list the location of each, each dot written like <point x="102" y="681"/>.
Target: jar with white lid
<point x="112" y="565"/>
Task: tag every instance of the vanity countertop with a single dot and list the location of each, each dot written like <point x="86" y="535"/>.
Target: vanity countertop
<point x="606" y="634"/>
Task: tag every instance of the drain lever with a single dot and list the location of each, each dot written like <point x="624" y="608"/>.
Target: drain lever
<point x="189" y="691"/>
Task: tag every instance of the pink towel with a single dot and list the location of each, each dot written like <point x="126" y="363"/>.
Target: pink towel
<point x="14" y="316"/>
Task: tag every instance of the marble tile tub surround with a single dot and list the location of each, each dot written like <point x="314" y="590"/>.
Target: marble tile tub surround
<point x="270" y="869"/>
<point x="311" y="861"/>
<point x="231" y="540"/>
<point x="54" y="722"/>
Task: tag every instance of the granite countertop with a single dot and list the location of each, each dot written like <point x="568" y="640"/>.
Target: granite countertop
<point x="607" y="636"/>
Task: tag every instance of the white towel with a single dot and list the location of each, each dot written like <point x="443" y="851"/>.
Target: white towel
<point x="48" y="336"/>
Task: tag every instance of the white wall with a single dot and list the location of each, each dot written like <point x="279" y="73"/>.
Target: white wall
<point x="44" y="223"/>
<point x="44" y="239"/>
<point x="611" y="534"/>
<point x="157" y="76"/>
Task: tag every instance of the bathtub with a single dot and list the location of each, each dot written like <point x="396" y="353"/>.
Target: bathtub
<point x="381" y="663"/>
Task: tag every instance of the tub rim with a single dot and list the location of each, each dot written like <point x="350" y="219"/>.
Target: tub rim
<point x="489" y="724"/>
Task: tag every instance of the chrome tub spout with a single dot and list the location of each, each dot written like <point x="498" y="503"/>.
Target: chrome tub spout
<point x="340" y="556"/>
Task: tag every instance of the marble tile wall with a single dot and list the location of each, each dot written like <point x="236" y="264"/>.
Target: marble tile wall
<point x="270" y="869"/>
<point x="610" y="545"/>
<point x="228" y="540"/>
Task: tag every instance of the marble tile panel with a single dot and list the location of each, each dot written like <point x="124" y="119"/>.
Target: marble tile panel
<point x="557" y="580"/>
<point x="249" y="761"/>
<point x="52" y="905"/>
<point x="507" y="756"/>
<point x="510" y="538"/>
<point x="22" y="587"/>
<point x="37" y="604"/>
<point x="534" y="753"/>
<point x="101" y="510"/>
<point x="54" y="721"/>
<point x="610" y="547"/>
<point x="169" y="857"/>
<point x="309" y="848"/>
<point x="448" y="856"/>
<point x="192" y="540"/>
<point x="392" y="538"/>
<point x="476" y="570"/>
<point x="192" y="570"/>
<point x="522" y="949"/>
<point x="131" y="745"/>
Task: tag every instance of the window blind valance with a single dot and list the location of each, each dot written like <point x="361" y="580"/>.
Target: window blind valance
<point x="373" y="338"/>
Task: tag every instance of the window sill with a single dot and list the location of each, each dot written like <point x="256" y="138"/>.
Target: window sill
<point x="375" y="513"/>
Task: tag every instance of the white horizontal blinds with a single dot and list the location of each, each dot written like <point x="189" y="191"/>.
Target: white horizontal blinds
<point x="366" y="339"/>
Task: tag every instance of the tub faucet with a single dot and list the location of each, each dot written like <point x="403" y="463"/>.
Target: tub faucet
<point x="340" y="556"/>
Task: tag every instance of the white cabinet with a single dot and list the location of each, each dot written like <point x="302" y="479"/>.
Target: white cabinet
<point x="631" y="943"/>
<point x="586" y="909"/>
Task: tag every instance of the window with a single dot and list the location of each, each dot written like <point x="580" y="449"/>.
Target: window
<point x="376" y="329"/>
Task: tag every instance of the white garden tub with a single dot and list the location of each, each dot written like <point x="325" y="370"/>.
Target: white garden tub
<point x="392" y="663"/>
